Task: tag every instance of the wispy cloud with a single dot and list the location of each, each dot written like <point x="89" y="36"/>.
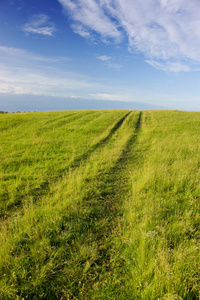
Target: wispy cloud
<point x="25" y="73"/>
<point x="169" y="66"/>
<point x="109" y="61"/>
<point x="39" y="24"/>
<point x="167" y="32"/>
<point x="22" y="72"/>
<point x="81" y="30"/>
<point x="111" y="97"/>
<point x="12" y="56"/>
<point x="103" y="57"/>
<point x="90" y="15"/>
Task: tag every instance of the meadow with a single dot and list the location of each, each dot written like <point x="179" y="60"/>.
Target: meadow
<point x="100" y="205"/>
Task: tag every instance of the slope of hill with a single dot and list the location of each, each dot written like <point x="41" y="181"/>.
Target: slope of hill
<point x="100" y="205"/>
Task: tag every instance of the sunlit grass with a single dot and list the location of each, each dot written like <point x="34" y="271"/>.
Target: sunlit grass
<point x="100" y="205"/>
<point x="161" y="219"/>
<point x="38" y="148"/>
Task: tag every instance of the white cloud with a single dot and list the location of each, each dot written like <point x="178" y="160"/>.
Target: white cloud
<point x="91" y="16"/>
<point x="112" y="97"/>
<point x="22" y="72"/>
<point x="81" y="30"/>
<point x="11" y="55"/>
<point x="169" y="66"/>
<point x="39" y="24"/>
<point x="167" y="32"/>
<point x="25" y="73"/>
<point x="109" y="61"/>
<point x="103" y="57"/>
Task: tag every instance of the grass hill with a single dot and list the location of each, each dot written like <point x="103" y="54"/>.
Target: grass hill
<point x="100" y="205"/>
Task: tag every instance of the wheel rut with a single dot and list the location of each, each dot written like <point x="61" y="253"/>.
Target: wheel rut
<point x="82" y="232"/>
<point x="100" y="224"/>
<point x="44" y="188"/>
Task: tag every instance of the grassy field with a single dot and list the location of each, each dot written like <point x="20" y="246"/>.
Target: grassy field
<point x="100" y="205"/>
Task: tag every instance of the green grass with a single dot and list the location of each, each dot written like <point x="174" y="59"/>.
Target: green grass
<point x="100" y="205"/>
<point x="37" y="149"/>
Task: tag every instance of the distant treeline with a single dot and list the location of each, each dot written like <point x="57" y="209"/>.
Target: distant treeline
<point x="3" y="112"/>
<point x="6" y="112"/>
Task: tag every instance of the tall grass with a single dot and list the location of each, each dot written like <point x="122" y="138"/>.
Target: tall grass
<point x="44" y="242"/>
<point x="117" y="217"/>
<point x="37" y="148"/>
<point x="159" y="238"/>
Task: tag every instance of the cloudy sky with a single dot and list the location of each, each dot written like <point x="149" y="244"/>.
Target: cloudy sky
<point x="145" y="51"/>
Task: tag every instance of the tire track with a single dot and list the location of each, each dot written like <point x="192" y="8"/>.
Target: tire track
<point x="114" y="190"/>
<point x="88" y="222"/>
<point x="100" y="223"/>
<point x="45" y="186"/>
<point x="66" y="119"/>
<point x="100" y="143"/>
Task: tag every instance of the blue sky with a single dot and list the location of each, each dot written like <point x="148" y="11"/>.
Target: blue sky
<point x="130" y="51"/>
